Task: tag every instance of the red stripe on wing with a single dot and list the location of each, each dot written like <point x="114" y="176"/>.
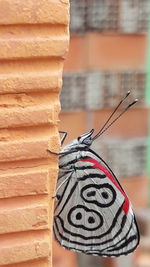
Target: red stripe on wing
<point x="97" y="165"/>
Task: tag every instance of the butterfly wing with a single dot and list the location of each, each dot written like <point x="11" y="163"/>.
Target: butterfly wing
<point x="93" y="214"/>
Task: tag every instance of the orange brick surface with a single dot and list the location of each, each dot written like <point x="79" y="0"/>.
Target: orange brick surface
<point x="33" y="44"/>
<point x="84" y="121"/>
<point x="132" y="124"/>
<point x="134" y="185"/>
<point x="106" y="51"/>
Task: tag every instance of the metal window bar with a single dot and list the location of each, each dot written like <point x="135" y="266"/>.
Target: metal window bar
<point x="133" y="16"/>
<point x="127" y="16"/>
<point x="110" y="88"/>
<point x="102" y="15"/>
<point x="73" y="91"/>
<point x="78" y="16"/>
<point x="133" y="80"/>
<point x="94" y="90"/>
<point x="132" y="151"/>
<point x="101" y="89"/>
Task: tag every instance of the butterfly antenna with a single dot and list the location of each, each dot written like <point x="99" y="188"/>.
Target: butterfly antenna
<point x="112" y="114"/>
<point x="103" y="129"/>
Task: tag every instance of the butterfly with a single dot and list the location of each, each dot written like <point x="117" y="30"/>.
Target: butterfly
<point x="93" y="214"/>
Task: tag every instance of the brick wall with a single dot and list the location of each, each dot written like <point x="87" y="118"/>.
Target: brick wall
<point x="33" y="44"/>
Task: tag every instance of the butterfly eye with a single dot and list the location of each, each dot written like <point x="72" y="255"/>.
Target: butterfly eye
<point x="87" y="141"/>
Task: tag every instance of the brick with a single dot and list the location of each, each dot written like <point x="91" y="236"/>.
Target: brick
<point x="34" y="11"/>
<point x="26" y="218"/>
<point x="23" y="247"/>
<point x="36" y="263"/>
<point x="106" y="52"/>
<point x="125" y="51"/>
<point x="77" y="58"/>
<point x="28" y="110"/>
<point x="143" y="218"/>
<point x="25" y="183"/>
<point x="27" y="76"/>
<point x="63" y="257"/>
<point x="19" y="42"/>
<point x="26" y="148"/>
<point x="27" y="117"/>
<point x="28" y="82"/>
<point x="133" y="186"/>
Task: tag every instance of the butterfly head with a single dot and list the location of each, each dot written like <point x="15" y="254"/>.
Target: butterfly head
<point x="83" y="141"/>
<point x="86" y="139"/>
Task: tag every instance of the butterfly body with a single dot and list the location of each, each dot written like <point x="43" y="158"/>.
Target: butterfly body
<point x="93" y="214"/>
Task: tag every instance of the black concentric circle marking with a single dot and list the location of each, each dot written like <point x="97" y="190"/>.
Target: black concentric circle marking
<point x="103" y="195"/>
<point x="82" y="217"/>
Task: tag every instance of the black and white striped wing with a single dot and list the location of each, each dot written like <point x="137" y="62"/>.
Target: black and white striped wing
<point x="93" y="214"/>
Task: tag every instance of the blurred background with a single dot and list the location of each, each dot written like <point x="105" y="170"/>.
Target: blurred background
<point x="109" y="54"/>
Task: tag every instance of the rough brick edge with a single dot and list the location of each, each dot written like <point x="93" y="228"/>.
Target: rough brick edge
<point x="33" y="12"/>
<point x="24" y="245"/>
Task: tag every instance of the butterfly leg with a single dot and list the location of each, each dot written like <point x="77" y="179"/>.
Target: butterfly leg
<point x="57" y="196"/>
<point x="51" y="152"/>
<point x="64" y="136"/>
<point x="60" y="153"/>
<point x="56" y="153"/>
<point x="62" y="141"/>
